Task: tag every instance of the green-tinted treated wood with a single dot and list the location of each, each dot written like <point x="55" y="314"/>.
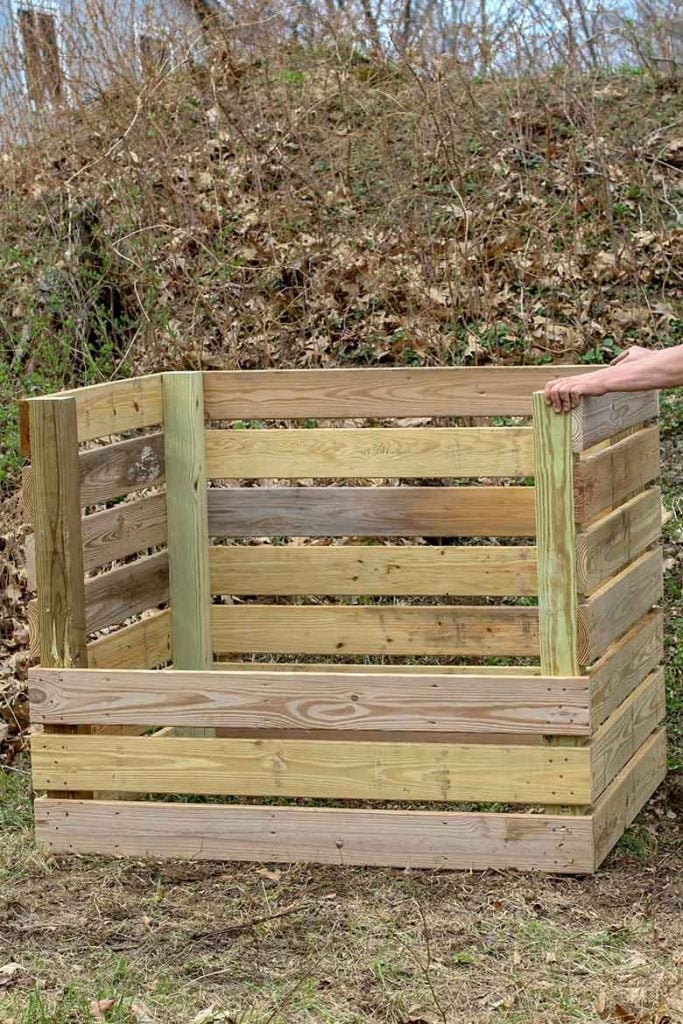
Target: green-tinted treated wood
<point x="188" y="540"/>
<point x="557" y="602"/>
<point x="59" y="551"/>
<point x="57" y="516"/>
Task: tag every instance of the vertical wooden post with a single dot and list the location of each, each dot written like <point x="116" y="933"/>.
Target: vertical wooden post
<point x="57" y="516"/>
<point x="59" y="549"/>
<point x="556" y="552"/>
<point x="188" y="536"/>
<point x="556" y="540"/>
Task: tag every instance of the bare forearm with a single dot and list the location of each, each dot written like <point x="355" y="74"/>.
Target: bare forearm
<point x="661" y="369"/>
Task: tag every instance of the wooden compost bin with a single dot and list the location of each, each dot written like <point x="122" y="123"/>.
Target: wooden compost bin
<point x="535" y="753"/>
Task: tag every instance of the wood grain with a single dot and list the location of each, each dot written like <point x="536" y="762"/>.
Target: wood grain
<point x="625" y="665"/>
<point x="628" y="793"/>
<point x="370" y="452"/>
<point x="343" y="629"/>
<point x="620" y="736"/>
<point x="187" y="521"/>
<point x="59" y="553"/>
<point x="606" y="547"/>
<point x="320" y="700"/>
<point x="371" y="512"/>
<point x="335" y="666"/>
<point x="599" y="417"/>
<point x="313" y="768"/>
<point x="380" y="570"/>
<point x="125" y="592"/>
<point x="555" y="541"/>
<point x="608" y="478"/>
<point x="609" y="612"/>
<point x="333" y="394"/>
<point x="144" y="644"/>
<point x="394" y="838"/>
<point x="106" y="409"/>
<point x="124" y="530"/>
<point x="113" y="470"/>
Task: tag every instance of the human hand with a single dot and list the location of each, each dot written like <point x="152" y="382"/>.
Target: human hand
<point x="629" y="354"/>
<point x="564" y="394"/>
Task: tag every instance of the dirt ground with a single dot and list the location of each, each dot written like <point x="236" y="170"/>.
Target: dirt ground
<point x="88" y="939"/>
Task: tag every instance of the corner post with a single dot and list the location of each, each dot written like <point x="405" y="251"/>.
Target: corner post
<point x="556" y="540"/>
<point x="60" y="581"/>
<point x="188" y="535"/>
<point x="59" y="548"/>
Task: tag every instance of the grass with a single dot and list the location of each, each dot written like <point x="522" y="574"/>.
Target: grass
<point x="175" y="942"/>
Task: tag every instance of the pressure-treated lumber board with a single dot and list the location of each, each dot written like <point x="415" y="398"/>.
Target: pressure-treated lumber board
<point x="627" y="794"/>
<point x="344" y="629"/>
<point x="600" y="417"/>
<point x="555" y="541"/>
<point x="106" y="409"/>
<point x="313" y="768"/>
<point x="372" y="511"/>
<point x="370" y="452"/>
<point x="625" y="664"/>
<point x="187" y="521"/>
<point x="396" y="838"/>
<point x="333" y="394"/>
<point x="27" y="494"/>
<point x="607" y="546"/>
<point x="144" y="644"/>
<point x="606" y="479"/>
<point x="381" y="570"/>
<point x="59" y="554"/>
<point x="30" y="560"/>
<point x="336" y="666"/>
<point x="620" y="736"/>
<point x="129" y="590"/>
<point x="115" y="469"/>
<point x="615" y="607"/>
<point x="124" y="530"/>
<point x="320" y="700"/>
<point x="112" y="470"/>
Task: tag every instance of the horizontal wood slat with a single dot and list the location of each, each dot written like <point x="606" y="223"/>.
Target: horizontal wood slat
<point x="106" y="409"/>
<point x="312" y="666"/>
<point x="393" y="838"/>
<point x="626" y="795"/>
<point x="127" y="591"/>
<point x="383" y="630"/>
<point x="370" y="452"/>
<point x="112" y="470"/>
<point x="371" y="511"/>
<point x="312" y="768"/>
<point x="606" y="479"/>
<point x="599" y="417"/>
<point x="607" y="546"/>
<point x="124" y="530"/>
<point x="378" y="570"/>
<point x="144" y="644"/>
<point x="618" y="739"/>
<point x="626" y="664"/>
<point x="616" y="606"/>
<point x="362" y="393"/>
<point x="291" y="700"/>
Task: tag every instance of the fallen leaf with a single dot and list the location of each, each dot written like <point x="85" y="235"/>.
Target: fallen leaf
<point x="100" y="1007"/>
<point x="141" y="1014"/>
<point x="272" y="876"/>
<point x="8" y="974"/>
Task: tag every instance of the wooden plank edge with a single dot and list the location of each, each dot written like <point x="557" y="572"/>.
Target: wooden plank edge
<point x="450" y="840"/>
<point x="597" y="418"/>
<point x="628" y="793"/>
